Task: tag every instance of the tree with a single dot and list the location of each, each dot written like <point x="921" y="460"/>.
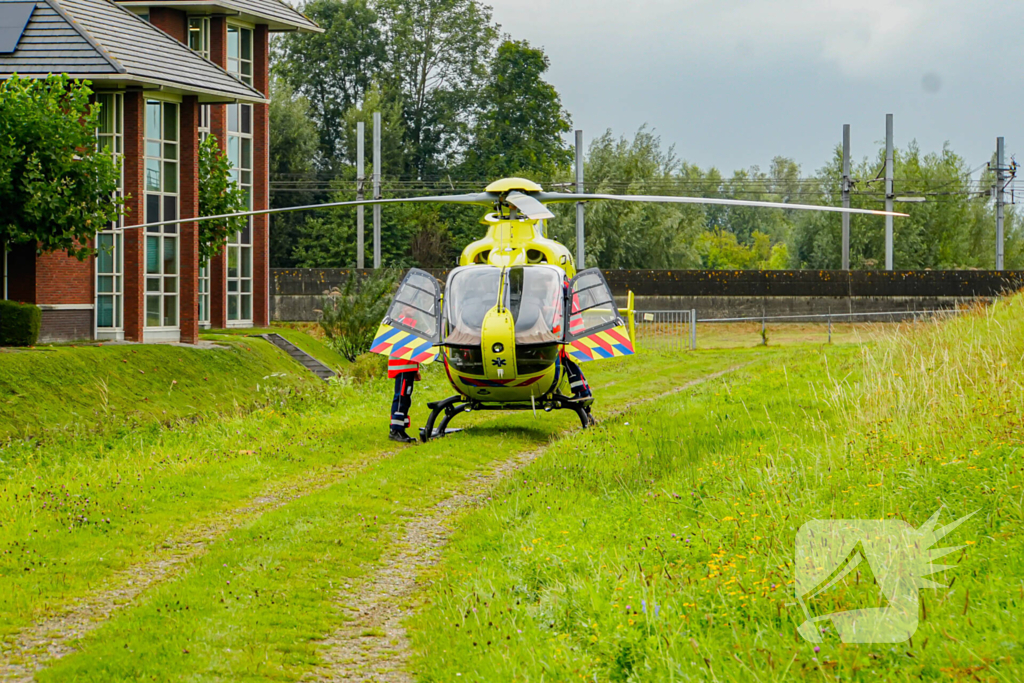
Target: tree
<point x="427" y="57"/>
<point x="57" y="187"/>
<point x="634" y="235"/>
<point x="294" y="144"/>
<point x="953" y="228"/>
<point x="720" y="250"/>
<point x="780" y="184"/>
<point x="521" y="125"/>
<point x="334" y="69"/>
<point x="438" y="52"/>
<point x="219" y="195"/>
<point x="328" y="240"/>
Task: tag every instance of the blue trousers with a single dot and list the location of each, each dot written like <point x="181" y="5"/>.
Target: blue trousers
<point x="402" y="401"/>
<point x="577" y="382"/>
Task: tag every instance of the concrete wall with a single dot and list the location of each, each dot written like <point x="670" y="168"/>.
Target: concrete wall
<point x="296" y="292"/>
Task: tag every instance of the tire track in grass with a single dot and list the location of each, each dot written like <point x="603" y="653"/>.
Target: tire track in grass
<point x="373" y="645"/>
<point x="46" y="641"/>
<point x="43" y="643"/>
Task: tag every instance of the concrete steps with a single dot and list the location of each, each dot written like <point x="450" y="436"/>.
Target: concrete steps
<point x="301" y="357"/>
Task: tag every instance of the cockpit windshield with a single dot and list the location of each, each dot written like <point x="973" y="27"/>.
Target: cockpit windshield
<point x="533" y="295"/>
<point x="471" y="292"/>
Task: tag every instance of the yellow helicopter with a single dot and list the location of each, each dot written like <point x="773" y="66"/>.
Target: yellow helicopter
<point x="515" y="309"/>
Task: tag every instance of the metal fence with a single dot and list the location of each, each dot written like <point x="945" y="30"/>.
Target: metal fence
<point x="666" y="330"/>
<point x="676" y="331"/>
<point x="828" y="322"/>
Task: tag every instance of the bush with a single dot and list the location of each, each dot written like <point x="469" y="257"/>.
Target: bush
<point x="350" y="315"/>
<point x="368" y="366"/>
<point x="19" y="323"/>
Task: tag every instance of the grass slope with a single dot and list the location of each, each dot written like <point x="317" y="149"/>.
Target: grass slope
<point x="661" y="547"/>
<point x="75" y="390"/>
<point x="308" y="343"/>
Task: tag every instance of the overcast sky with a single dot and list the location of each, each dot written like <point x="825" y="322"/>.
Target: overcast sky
<point x="733" y="83"/>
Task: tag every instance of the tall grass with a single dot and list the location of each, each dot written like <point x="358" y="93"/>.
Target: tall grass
<point x="661" y="548"/>
<point x="943" y="370"/>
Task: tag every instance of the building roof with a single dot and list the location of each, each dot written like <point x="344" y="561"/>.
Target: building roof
<point x="278" y="15"/>
<point x="99" y="41"/>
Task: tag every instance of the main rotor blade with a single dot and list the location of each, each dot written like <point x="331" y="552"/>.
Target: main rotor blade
<point x="529" y="206"/>
<point x="482" y="198"/>
<point x="562" y="197"/>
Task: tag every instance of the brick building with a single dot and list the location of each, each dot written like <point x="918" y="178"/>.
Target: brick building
<point x="165" y="72"/>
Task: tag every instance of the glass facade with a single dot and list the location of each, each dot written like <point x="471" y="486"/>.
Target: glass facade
<point x="240" y="146"/>
<point x="161" y="188"/>
<point x="109" y="253"/>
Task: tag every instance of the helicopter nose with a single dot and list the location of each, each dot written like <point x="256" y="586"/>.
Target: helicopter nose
<point x="498" y="344"/>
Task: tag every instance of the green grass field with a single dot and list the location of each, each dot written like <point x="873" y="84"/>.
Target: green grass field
<point x="657" y="546"/>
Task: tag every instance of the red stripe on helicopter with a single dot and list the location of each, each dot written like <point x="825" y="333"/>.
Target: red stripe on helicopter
<point x="601" y="342"/>
<point x="618" y="337"/>
<point x="500" y="383"/>
<point x="579" y="347"/>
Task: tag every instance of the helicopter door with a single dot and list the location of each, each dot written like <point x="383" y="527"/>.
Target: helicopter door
<point x="413" y="323"/>
<point x="595" y="328"/>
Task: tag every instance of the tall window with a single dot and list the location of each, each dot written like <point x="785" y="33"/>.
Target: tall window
<point x="240" y="52"/>
<point x="199" y="35"/>
<point x="199" y="41"/>
<point x="161" y="205"/>
<point x="239" y="275"/>
<point x="109" y="299"/>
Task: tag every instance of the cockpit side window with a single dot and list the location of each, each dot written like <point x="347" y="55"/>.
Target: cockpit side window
<point x="535" y="297"/>
<point x="471" y="292"/>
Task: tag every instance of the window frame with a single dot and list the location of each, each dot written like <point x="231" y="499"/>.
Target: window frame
<point x="162" y="287"/>
<point x="240" y="147"/>
<point x="203" y="34"/>
<point x="108" y="283"/>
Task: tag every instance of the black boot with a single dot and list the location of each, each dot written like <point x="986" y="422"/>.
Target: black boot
<point x="400" y="436"/>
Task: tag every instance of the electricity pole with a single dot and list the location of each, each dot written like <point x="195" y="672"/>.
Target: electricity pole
<point x="1000" y="201"/>
<point x="889" y="162"/>
<point x="360" y="194"/>
<point x="376" y="189"/>
<point x="580" y="250"/>
<point x="846" y="196"/>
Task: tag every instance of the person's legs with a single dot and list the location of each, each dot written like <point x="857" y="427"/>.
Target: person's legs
<point x="400" y="406"/>
<point x="577" y="382"/>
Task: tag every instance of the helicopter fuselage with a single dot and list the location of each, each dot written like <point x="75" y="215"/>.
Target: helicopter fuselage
<point x="511" y="312"/>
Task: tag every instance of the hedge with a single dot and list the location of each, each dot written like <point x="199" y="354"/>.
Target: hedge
<point x="19" y="323"/>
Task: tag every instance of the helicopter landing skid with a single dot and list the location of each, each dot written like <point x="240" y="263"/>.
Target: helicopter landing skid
<point x="455" y="405"/>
